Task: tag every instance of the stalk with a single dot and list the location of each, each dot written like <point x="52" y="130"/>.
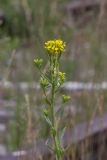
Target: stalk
<point x="54" y="130"/>
<point x="55" y="80"/>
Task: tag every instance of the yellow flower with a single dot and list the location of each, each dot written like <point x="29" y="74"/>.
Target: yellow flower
<point x="55" y="46"/>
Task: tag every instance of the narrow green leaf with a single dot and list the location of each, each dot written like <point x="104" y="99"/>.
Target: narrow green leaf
<point x="63" y="132"/>
<point x="48" y="121"/>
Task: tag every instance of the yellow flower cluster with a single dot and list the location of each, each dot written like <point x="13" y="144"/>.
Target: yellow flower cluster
<point x="55" y="46"/>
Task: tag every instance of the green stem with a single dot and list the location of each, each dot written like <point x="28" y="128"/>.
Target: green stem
<point x="54" y="135"/>
<point x="53" y="118"/>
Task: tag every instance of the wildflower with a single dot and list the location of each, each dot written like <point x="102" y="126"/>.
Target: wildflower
<point x="38" y="62"/>
<point x="55" y="46"/>
<point x="65" y="98"/>
<point x="61" y="77"/>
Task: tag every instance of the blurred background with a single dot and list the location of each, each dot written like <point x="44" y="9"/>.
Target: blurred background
<point x="24" y="27"/>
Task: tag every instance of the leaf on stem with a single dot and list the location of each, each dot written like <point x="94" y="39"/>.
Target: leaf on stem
<point x="48" y="121"/>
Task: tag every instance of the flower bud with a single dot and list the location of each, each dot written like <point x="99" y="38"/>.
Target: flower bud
<point x="65" y="98"/>
<point x="61" y="77"/>
<point x="38" y="62"/>
<point x="45" y="111"/>
<point x="43" y="82"/>
<point x="53" y="131"/>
